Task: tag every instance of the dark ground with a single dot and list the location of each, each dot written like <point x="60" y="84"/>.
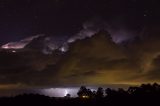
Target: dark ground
<point x="145" y="95"/>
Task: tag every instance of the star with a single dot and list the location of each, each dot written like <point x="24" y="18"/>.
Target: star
<point x="145" y="15"/>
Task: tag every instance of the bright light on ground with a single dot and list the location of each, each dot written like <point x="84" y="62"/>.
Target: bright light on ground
<point x="66" y="92"/>
<point x="61" y="92"/>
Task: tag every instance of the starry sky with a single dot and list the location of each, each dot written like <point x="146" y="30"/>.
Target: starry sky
<point x="54" y="43"/>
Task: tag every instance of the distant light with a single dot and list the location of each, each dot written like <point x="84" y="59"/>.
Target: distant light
<point x="66" y="92"/>
<point x="57" y="92"/>
<point x="13" y="51"/>
<point x="63" y="49"/>
<point x="85" y="97"/>
<point x="71" y="40"/>
<point x="5" y="47"/>
<point x="60" y="92"/>
<point x="13" y="45"/>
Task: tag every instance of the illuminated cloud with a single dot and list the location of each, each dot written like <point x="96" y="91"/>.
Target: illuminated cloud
<point x="95" y="60"/>
<point x="20" y="44"/>
<point x="118" y="33"/>
<point x="43" y="43"/>
<point x="95" y="57"/>
<point x="87" y="31"/>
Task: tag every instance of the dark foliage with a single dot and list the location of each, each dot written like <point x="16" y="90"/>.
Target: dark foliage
<point x="145" y="95"/>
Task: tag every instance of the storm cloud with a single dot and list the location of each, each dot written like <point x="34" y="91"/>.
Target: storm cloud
<point x="95" y="60"/>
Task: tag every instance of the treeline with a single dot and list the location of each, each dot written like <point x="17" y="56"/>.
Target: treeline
<point x="144" y="89"/>
<point x="144" y="95"/>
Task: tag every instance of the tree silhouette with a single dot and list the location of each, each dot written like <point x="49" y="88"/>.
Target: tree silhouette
<point x="144" y="95"/>
<point x="68" y="96"/>
<point x="132" y="90"/>
<point x="100" y="93"/>
<point x="84" y="92"/>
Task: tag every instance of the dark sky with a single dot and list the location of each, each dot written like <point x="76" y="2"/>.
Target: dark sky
<point x="22" y="18"/>
<point x="75" y="49"/>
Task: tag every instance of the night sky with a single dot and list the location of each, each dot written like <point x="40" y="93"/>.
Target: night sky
<point x="20" y="19"/>
<point x="56" y="43"/>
